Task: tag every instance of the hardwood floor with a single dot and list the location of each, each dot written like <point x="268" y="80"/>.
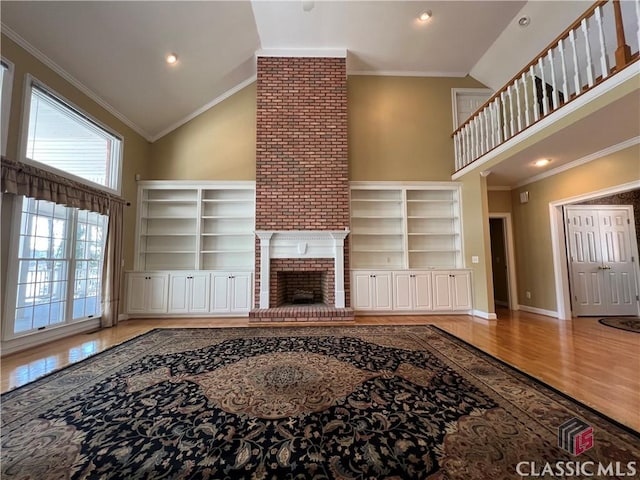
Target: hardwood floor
<point x="595" y="364"/>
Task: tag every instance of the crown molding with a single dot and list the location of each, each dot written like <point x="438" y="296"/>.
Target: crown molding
<point x="204" y="108"/>
<point x="400" y="73"/>
<point x="581" y="161"/>
<point x="20" y="41"/>
<point x="303" y="52"/>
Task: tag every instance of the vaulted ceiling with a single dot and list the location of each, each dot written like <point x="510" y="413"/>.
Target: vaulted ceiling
<point x="117" y="49"/>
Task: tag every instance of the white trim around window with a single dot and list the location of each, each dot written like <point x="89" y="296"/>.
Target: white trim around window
<point x="7" y="89"/>
<point x="116" y="173"/>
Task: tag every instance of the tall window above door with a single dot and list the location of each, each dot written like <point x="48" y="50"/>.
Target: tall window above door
<point x="69" y="142"/>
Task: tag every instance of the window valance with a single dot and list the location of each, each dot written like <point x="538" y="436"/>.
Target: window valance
<point x="31" y="181"/>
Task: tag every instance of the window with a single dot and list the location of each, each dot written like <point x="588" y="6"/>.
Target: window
<point x="6" y="81"/>
<point x="61" y="137"/>
<point x="59" y="271"/>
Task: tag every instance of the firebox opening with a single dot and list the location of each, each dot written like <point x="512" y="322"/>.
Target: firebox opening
<point x="302" y="288"/>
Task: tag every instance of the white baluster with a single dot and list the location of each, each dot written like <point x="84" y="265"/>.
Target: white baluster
<point x="523" y="80"/>
<point x="576" y="67"/>
<point x="456" y="159"/>
<point x="487" y="129"/>
<point x="554" y="88"/>
<point x="518" y="102"/>
<point x="505" y="124"/>
<point x="467" y="155"/>
<point x="498" y="123"/>
<point x="565" y="87"/>
<point x="512" y="120"/>
<point x="587" y="50"/>
<point x="480" y="135"/>
<point x="476" y="138"/>
<point x="536" y="112"/>
<point x="603" y="48"/>
<point x="545" y="100"/>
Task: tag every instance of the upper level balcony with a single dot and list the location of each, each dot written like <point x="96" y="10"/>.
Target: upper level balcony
<point x="578" y="96"/>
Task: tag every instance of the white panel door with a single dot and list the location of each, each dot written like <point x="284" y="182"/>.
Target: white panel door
<point x="362" y="292"/>
<point x="602" y="271"/>
<point x="157" y="292"/>
<point x="241" y="292"/>
<point x="383" y="291"/>
<point x="402" y="291"/>
<point x="178" y="293"/>
<point x="461" y="288"/>
<point x="220" y="294"/>
<point x="422" y="291"/>
<point x="466" y="102"/>
<point x="618" y="267"/>
<point x="199" y="293"/>
<point x="585" y="259"/>
<point x="442" y="295"/>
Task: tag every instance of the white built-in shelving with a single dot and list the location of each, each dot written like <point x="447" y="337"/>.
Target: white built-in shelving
<point x="405" y="226"/>
<point x="195" y="226"/>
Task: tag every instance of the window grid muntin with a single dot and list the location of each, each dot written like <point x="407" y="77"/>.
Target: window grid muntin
<point x="47" y="273"/>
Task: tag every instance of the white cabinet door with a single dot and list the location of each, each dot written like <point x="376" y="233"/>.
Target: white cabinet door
<point x="136" y="284"/>
<point x="402" y="291"/>
<point x="461" y="288"/>
<point x="156" y="292"/>
<point x="179" y="293"/>
<point x="442" y="295"/>
<point x="362" y="291"/>
<point x="383" y="291"/>
<point x="147" y="292"/>
<point x="241" y="292"/>
<point x="220" y="293"/>
<point x="422" y="298"/>
<point x="198" y="300"/>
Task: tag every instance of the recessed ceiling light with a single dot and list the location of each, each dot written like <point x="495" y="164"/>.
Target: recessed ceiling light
<point x="542" y="162"/>
<point x="524" y="21"/>
<point x="424" y="16"/>
<point x="171" y="59"/>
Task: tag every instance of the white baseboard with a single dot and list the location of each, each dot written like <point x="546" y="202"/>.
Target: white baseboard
<point x="540" y="311"/>
<point x="122" y="317"/>
<point x="46" y="336"/>
<point x="398" y="313"/>
<point x="485" y="315"/>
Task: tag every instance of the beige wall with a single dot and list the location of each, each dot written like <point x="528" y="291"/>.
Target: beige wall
<point x="219" y="144"/>
<point x="475" y="213"/>
<point x="532" y="229"/>
<point x="400" y="127"/>
<point x="136" y="148"/>
<point x="499" y="201"/>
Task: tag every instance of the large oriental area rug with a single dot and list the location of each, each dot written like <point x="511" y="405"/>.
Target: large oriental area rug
<point x="343" y="403"/>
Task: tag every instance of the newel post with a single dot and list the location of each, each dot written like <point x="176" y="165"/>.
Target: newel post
<point x="623" y="52"/>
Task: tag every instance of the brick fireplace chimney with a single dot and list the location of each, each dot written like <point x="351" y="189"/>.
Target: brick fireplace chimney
<point x="302" y="172"/>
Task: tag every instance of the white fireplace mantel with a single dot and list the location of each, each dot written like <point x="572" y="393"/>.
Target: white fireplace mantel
<point x="302" y="244"/>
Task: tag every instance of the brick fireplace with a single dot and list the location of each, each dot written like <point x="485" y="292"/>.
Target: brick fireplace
<point x="302" y="188"/>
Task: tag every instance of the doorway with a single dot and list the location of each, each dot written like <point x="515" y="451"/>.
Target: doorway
<point x="559" y="241"/>
<point x="498" y="262"/>
<point x="602" y="267"/>
<point x="503" y="261"/>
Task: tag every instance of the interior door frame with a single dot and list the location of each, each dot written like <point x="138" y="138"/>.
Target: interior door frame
<point x="559" y="242"/>
<point x="511" y="258"/>
<point x="456" y="92"/>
